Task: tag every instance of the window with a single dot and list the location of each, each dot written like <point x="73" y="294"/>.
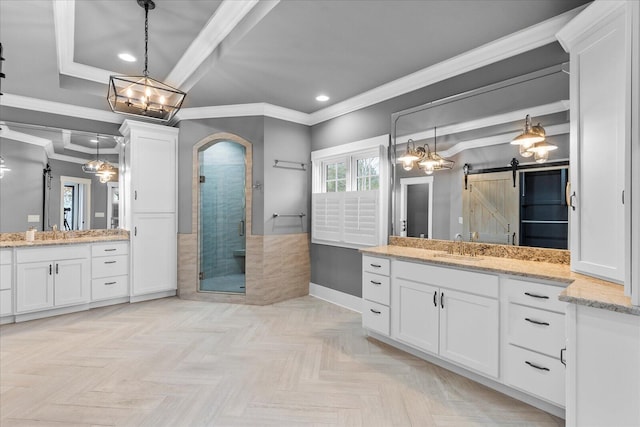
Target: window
<point x="335" y="176"/>
<point x="350" y="193"/>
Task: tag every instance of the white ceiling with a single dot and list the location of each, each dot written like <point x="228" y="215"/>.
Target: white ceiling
<point x="230" y="52"/>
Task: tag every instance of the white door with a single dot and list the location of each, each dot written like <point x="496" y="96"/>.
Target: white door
<point x="34" y="286"/>
<point x="72" y="282"/>
<point x="154" y="173"/>
<point x="415" y="309"/>
<point x="469" y="331"/>
<point x="153" y="246"/>
<point x="599" y="112"/>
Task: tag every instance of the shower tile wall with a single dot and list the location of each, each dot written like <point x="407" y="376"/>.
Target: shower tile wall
<point x="222" y="198"/>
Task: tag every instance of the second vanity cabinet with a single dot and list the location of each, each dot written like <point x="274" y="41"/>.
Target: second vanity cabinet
<point x="505" y="331"/>
<point x="52" y="277"/>
<point x="452" y="313"/>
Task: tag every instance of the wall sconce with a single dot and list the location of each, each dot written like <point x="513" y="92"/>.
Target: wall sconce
<point x="532" y="142"/>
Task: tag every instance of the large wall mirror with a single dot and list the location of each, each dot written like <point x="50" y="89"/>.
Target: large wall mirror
<point x="494" y="191"/>
<point x="43" y="183"/>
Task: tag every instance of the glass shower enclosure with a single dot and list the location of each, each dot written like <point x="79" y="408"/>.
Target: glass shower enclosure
<point x="222" y="218"/>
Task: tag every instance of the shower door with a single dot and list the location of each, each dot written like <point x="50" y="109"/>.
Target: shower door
<point x="222" y="223"/>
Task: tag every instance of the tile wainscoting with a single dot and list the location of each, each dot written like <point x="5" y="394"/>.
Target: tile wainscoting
<point x="277" y="268"/>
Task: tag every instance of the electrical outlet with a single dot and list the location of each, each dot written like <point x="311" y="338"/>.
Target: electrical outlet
<point x="99" y="214"/>
<point x="33" y="218"/>
<point x="460" y="220"/>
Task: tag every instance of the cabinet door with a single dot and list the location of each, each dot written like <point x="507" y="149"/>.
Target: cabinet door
<point x="599" y="115"/>
<point x="72" y="282"/>
<point x="415" y="314"/>
<point x="34" y="287"/>
<point x="153" y="171"/>
<point x="153" y="246"/>
<point x="469" y="331"/>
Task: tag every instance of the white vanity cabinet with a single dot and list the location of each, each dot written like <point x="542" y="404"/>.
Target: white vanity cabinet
<point x="449" y="312"/>
<point x="601" y="50"/>
<point x="148" y="187"/>
<point x="52" y="277"/>
<point x="534" y="341"/>
<point x="6" y="282"/>
<point x="376" y="285"/>
<point x="109" y="270"/>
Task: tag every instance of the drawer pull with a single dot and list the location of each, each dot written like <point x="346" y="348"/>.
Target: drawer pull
<point x="536" y="322"/>
<point x="376" y="283"/>
<point x="375" y="265"/>
<point x="110" y="283"/>
<point x="110" y="250"/>
<point x="542" y="368"/>
<point x="109" y="262"/>
<point x="536" y="296"/>
<point x="374" y="311"/>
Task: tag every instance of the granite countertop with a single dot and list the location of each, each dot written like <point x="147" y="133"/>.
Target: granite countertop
<point x="48" y="238"/>
<point x="581" y="289"/>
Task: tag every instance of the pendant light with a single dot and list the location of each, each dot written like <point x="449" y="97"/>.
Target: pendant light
<point x="540" y="151"/>
<point x="433" y="161"/>
<point x="142" y="95"/>
<point x="106" y="172"/>
<point x="93" y="165"/>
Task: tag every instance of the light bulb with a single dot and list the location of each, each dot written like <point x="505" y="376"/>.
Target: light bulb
<point x="147" y="92"/>
<point x="129" y="93"/>
<point x="541" y="156"/>
<point x="428" y="169"/>
<point x="524" y="148"/>
<point x="408" y="165"/>
<point x="162" y="100"/>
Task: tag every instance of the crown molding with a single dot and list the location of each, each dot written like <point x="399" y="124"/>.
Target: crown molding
<point x="226" y="17"/>
<point x="592" y="15"/>
<point x="503" y="138"/>
<point x="52" y="107"/>
<point x="245" y="110"/>
<point x="513" y="44"/>
<point x="498" y="119"/>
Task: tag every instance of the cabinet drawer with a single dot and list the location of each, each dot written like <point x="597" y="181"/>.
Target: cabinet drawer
<point x="57" y="252"/>
<point x="109" y="249"/>
<point x="533" y="294"/>
<point x="536" y="329"/>
<point x="375" y="317"/>
<point x="376" y="265"/>
<point x="109" y="287"/>
<point x="5" y="276"/>
<point x="6" y="256"/>
<point x="452" y="278"/>
<point x="376" y="288"/>
<point x="535" y="373"/>
<point x="6" y="302"/>
<point x="109" y="266"/>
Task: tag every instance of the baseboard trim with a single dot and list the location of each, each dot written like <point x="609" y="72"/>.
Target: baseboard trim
<point x="341" y="299"/>
<point x="155" y="295"/>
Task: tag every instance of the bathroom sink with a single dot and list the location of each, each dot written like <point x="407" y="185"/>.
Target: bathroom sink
<point x="459" y="257"/>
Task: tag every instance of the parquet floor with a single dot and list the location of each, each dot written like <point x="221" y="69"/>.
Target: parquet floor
<point x="173" y="362"/>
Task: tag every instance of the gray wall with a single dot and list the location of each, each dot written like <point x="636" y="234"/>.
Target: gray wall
<point x="21" y="188"/>
<point x="281" y="190"/>
<point x="192" y="132"/>
<point x="286" y="191"/>
<point x="339" y="268"/>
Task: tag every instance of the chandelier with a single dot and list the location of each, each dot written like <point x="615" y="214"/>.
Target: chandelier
<point x="143" y="95"/>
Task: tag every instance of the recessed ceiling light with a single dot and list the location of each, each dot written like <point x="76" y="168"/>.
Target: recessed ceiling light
<point x="127" y="57"/>
<point x="322" y="98"/>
